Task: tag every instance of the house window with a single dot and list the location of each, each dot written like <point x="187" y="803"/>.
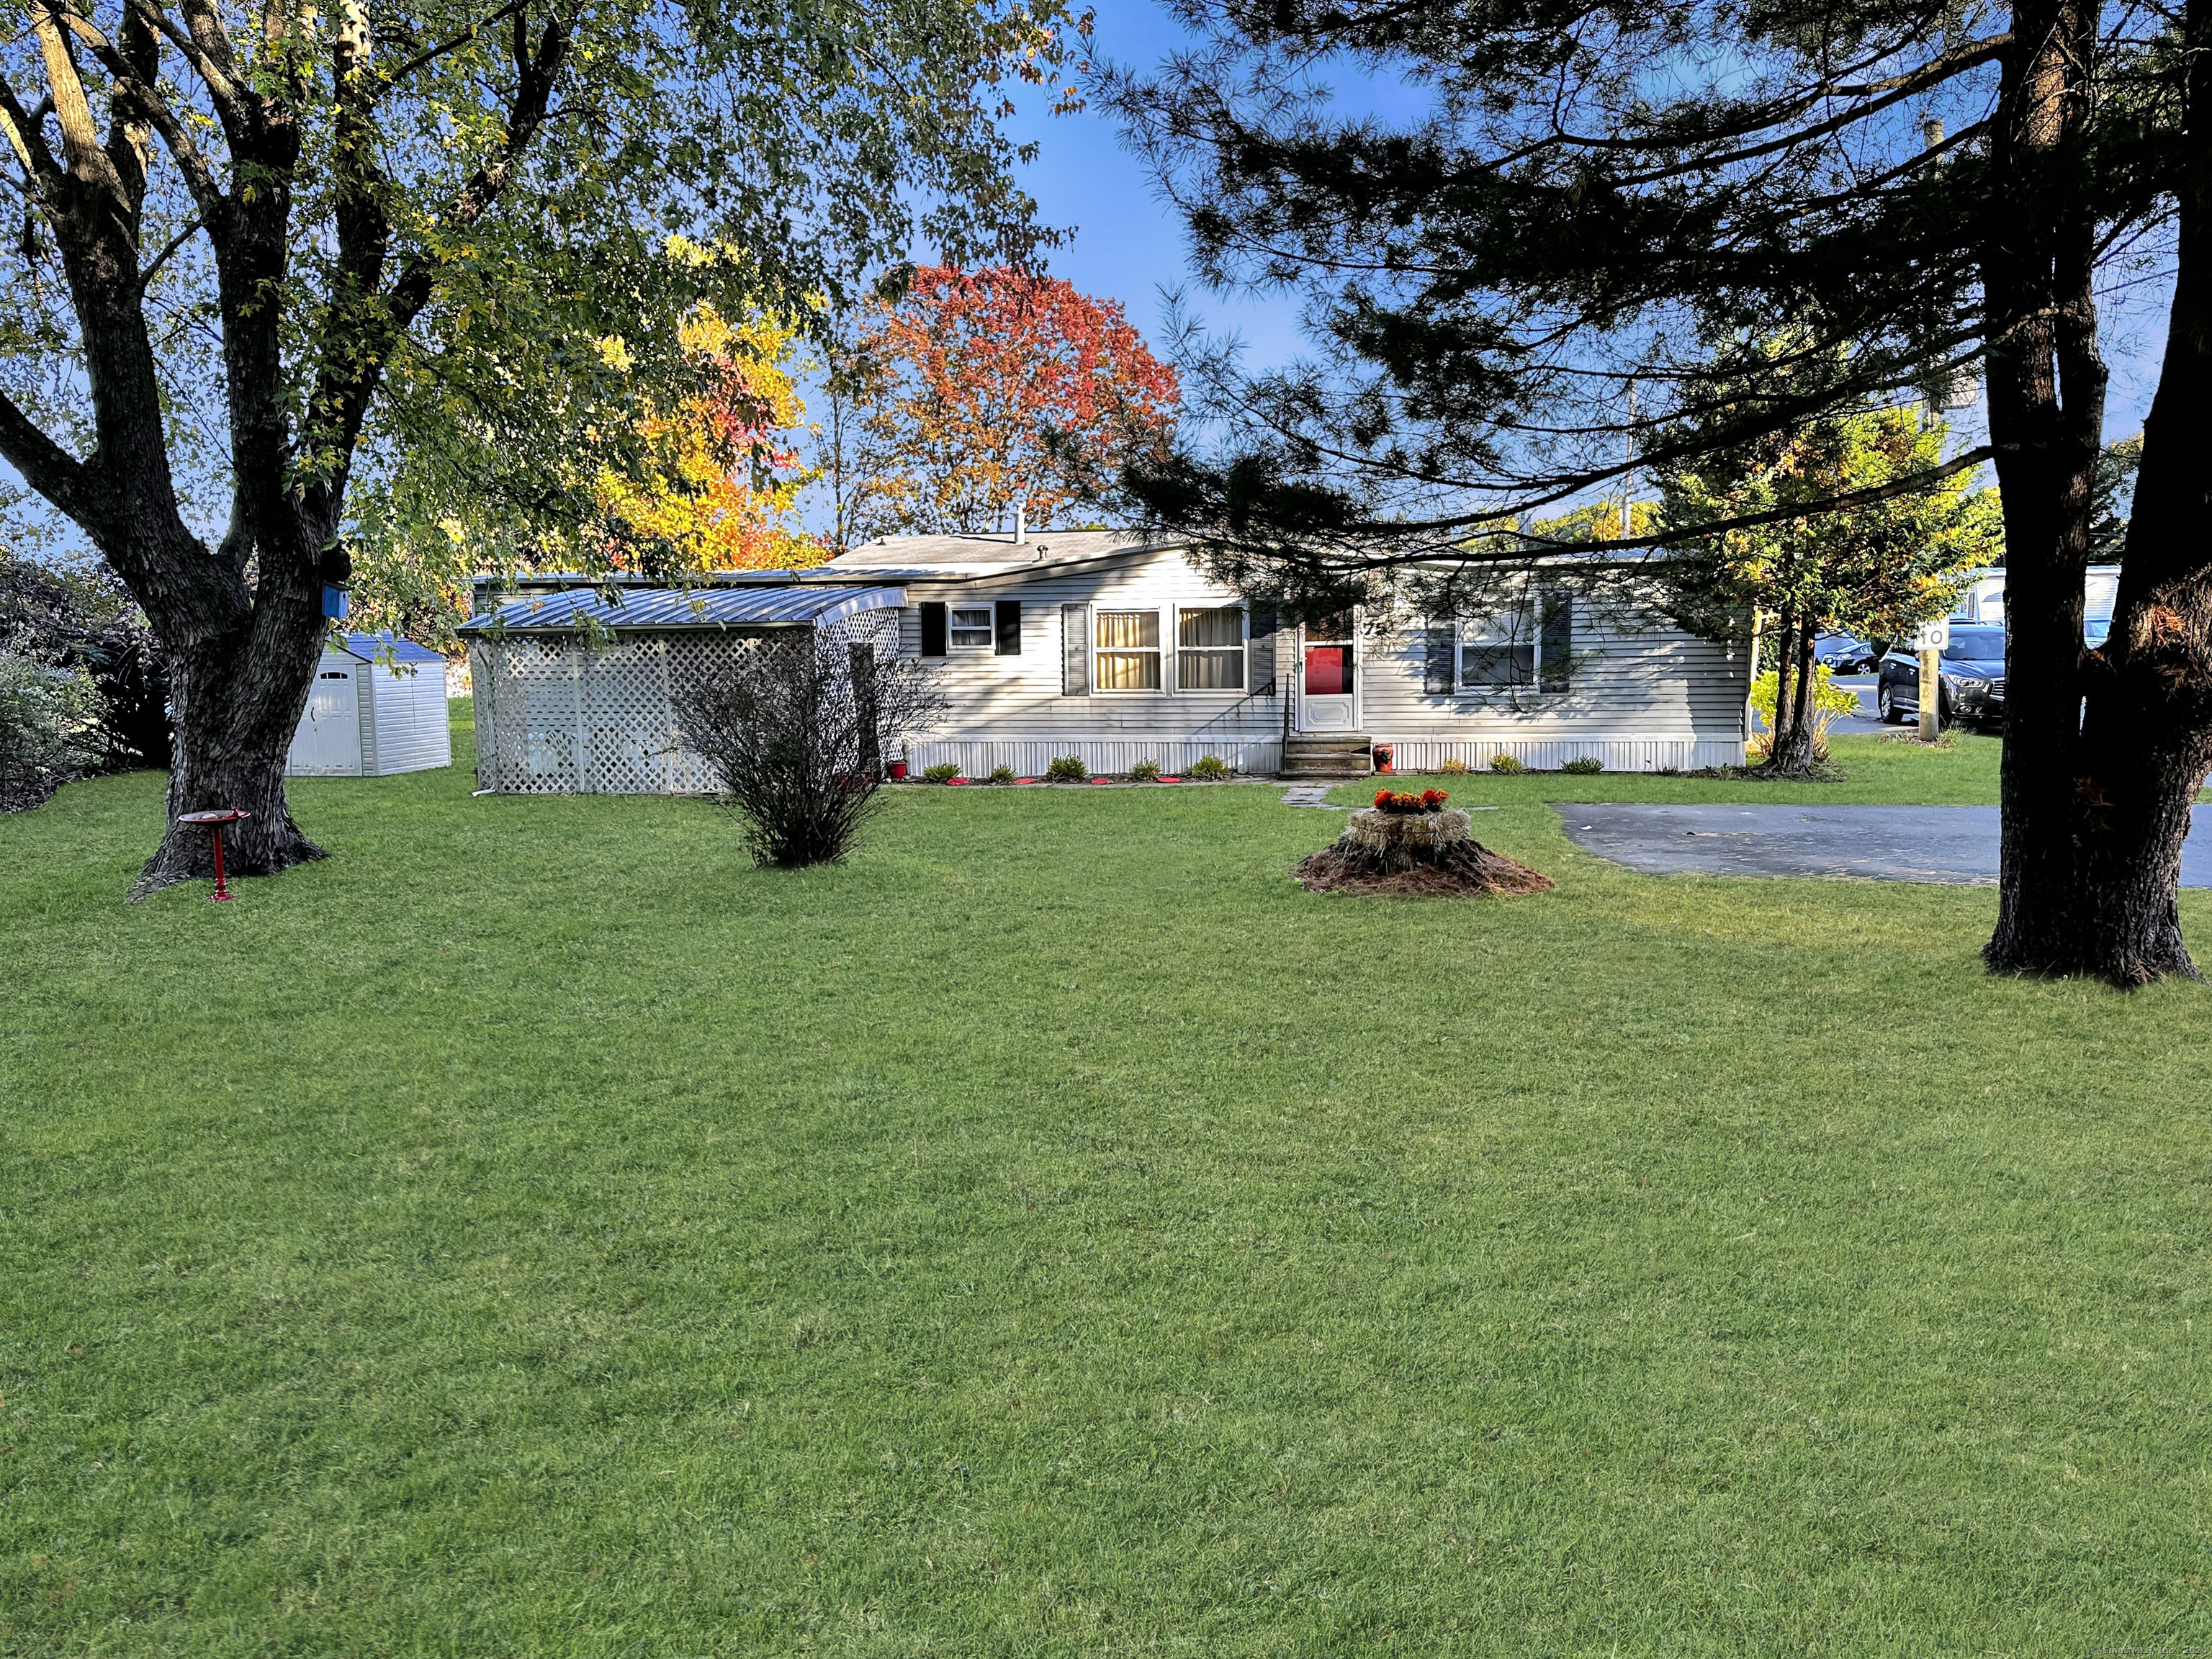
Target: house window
<point x="1128" y="651"/>
<point x="1498" y="653"/>
<point x="1210" y="649"/>
<point x="971" y="626"/>
<point x="1516" y="651"/>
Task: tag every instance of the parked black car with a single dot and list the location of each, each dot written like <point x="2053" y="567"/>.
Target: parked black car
<point x="1842" y="654"/>
<point x="1973" y="674"/>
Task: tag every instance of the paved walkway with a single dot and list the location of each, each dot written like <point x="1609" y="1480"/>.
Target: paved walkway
<point x="1956" y="845"/>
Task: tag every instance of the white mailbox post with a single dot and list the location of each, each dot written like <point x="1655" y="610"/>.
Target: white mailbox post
<point x="1932" y="638"/>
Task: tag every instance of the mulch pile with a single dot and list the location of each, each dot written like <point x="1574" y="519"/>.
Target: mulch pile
<point x="1456" y="870"/>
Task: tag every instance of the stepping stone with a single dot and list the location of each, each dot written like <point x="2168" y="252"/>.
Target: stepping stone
<point x="1310" y="794"/>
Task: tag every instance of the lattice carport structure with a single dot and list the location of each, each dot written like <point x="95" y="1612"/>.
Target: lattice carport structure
<point x="575" y="691"/>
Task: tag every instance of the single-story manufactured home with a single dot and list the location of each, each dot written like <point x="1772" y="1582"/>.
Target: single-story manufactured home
<point x="1110" y="648"/>
<point x="1116" y="649"/>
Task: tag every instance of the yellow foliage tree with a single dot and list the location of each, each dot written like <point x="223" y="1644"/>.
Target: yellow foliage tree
<point x="722" y="491"/>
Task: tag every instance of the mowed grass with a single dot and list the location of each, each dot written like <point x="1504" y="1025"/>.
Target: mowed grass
<point x="534" y="1231"/>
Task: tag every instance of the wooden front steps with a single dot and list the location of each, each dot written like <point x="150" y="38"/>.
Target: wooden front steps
<point x="1327" y="755"/>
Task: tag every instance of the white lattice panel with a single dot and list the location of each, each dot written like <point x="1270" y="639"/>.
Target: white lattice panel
<point x="562" y="716"/>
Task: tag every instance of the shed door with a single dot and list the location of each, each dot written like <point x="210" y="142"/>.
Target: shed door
<point x="329" y="739"/>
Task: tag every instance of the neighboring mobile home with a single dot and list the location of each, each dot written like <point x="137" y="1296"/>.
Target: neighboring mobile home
<point x="1110" y="648"/>
<point x="1985" y="600"/>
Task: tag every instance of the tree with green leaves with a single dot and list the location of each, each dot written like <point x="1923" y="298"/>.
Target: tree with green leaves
<point x="288" y="274"/>
<point x="1880" y="568"/>
<point x="1509" y="289"/>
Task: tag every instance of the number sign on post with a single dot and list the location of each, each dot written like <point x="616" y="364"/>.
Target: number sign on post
<point x="1930" y="638"/>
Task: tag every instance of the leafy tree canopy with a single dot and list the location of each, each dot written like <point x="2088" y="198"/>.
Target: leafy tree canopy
<point x="978" y="391"/>
<point x="718" y="491"/>
<point x="443" y="250"/>
<point x="1876" y="569"/>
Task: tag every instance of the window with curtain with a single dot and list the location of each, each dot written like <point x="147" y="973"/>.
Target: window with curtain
<point x="1210" y="649"/>
<point x="1129" y="650"/>
<point x="972" y="625"/>
<point x="1499" y="653"/>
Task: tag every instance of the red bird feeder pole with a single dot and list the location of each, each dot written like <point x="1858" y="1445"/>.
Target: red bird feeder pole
<point x="215" y="820"/>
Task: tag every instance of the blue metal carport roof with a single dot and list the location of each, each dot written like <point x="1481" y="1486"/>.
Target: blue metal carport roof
<point x="697" y="607"/>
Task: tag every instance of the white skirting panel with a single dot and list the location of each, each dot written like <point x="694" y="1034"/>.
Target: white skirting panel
<point x="1028" y="757"/>
<point x="1617" y="754"/>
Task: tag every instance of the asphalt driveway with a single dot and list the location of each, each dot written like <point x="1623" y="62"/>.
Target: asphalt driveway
<point x="1954" y="845"/>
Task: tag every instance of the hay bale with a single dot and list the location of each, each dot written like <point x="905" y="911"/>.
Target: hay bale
<point x="1385" y="832"/>
<point x="1432" y="853"/>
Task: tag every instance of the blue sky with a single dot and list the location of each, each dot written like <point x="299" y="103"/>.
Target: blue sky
<point x="1128" y="244"/>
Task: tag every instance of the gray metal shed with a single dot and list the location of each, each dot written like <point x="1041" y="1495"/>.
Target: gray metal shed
<point x="575" y="691"/>
<point x="378" y="708"/>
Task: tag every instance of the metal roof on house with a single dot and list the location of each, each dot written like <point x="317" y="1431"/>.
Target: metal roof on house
<point x="697" y="607"/>
<point x="390" y="647"/>
<point x="989" y="554"/>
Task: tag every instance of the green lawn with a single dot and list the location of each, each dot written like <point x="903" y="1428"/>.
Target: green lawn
<point x="535" y="1232"/>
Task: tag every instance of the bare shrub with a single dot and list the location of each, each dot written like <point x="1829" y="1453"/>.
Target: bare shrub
<point x="796" y="728"/>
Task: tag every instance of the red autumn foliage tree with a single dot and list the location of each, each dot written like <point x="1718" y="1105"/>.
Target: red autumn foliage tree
<point x="981" y="390"/>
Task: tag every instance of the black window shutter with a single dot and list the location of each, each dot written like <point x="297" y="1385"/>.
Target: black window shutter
<point x="1556" y="642"/>
<point x="1007" y="615"/>
<point x="1075" y="644"/>
<point x="933" y="628"/>
<point x="1264" y="621"/>
<point x="1440" y="666"/>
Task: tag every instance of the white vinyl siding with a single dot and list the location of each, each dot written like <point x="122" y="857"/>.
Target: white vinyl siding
<point x="413" y="731"/>
<point x="1643" y="695"/>
<point x="1024" y="711"/>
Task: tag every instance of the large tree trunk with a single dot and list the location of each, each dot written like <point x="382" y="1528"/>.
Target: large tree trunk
<point x="2096" y="806"/>
<point x="2046" y="402"/>
<point x="1786" y="657"/>
<point x="1791" y="755"/>
<point x="237" y="701"/>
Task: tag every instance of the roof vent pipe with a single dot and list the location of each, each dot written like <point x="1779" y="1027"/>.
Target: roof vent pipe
<point x="1021" y="526"/>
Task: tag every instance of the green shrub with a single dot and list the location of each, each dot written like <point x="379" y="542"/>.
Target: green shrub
<point x="1002" y="775"/>
<point x="1584" y="765"/>
<point x="1506" y="766"/>
<point x="1144" y="772"/>
<point x="1067" y="769"/>
<point x="1453" y="766"/>
<point x="48" y="729"/>
<point x="1211" y="766"/>
<point x="944" y="772"/>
